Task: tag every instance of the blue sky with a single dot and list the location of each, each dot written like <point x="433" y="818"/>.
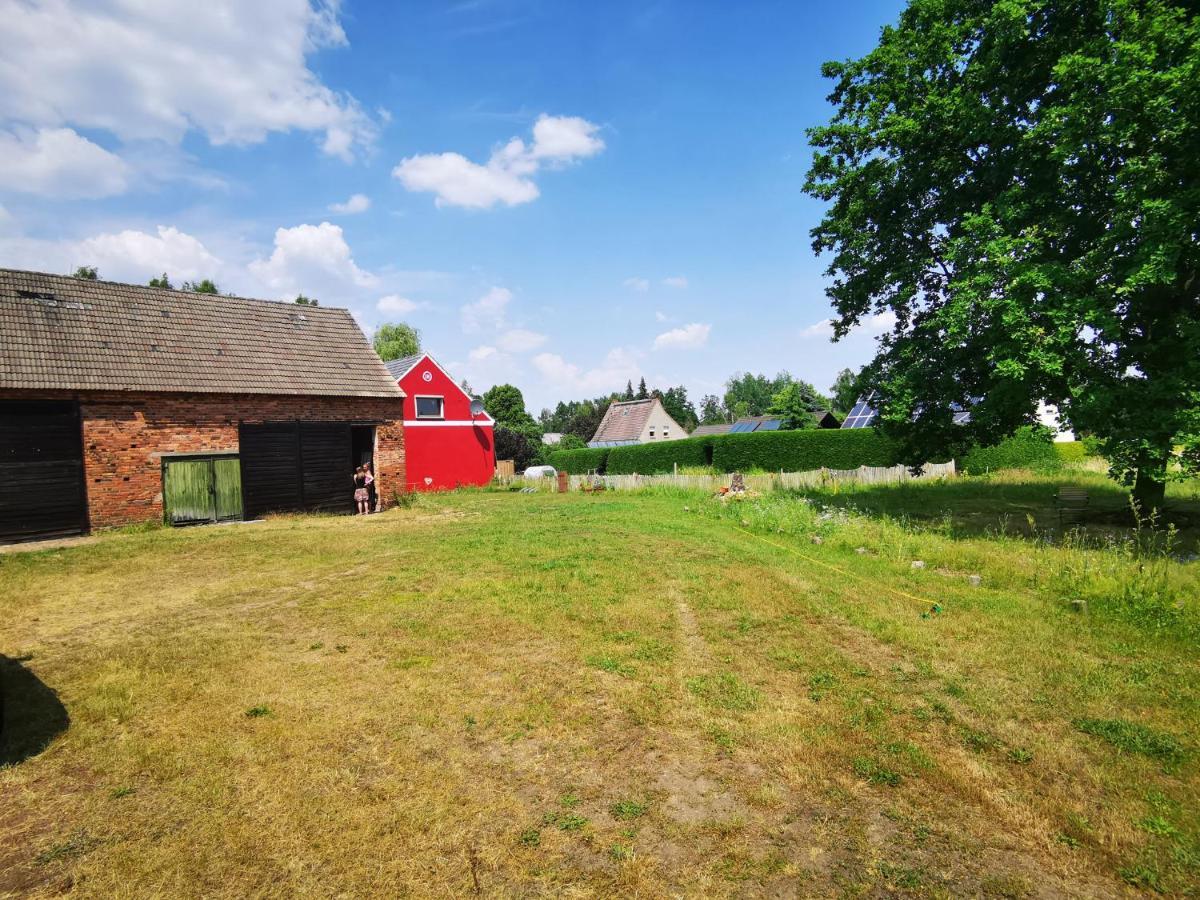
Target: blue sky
<point x="563" y="195"/>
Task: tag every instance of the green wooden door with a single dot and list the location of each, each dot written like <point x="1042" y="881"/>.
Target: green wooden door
<point x="202" y="489"/>
<point x="188" y="491"/>
<point x="227" y="478"/>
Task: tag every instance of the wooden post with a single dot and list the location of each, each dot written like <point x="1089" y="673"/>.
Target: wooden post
<point x="563" y="482"/>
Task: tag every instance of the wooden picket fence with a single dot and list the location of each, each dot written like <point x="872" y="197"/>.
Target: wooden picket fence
<point x="772" y="481"/>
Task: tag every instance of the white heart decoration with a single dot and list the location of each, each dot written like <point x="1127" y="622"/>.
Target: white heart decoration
<point x="428" y="481"/>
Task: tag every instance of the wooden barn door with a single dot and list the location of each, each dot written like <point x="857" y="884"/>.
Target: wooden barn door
<point x="41" y="470"/>
<point x="292" y="466"/>
<point x="202" y="489"/>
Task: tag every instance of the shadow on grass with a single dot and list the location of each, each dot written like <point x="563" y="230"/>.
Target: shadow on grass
<point x="31" y="715"/>
<point x="979" y="506"/>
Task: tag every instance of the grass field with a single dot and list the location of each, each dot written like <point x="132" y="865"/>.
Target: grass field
<point x="636" y="694"/>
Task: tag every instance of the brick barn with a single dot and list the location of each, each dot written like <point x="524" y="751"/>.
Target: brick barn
<point x="447" y="446"/>
<point x="122" y="404"/>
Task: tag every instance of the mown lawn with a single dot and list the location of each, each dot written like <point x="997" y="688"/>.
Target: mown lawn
<point x="625" y="694"/>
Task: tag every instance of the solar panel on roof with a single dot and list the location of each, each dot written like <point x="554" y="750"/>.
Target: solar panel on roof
<point x="863" y="414"/>
<point x="770" y="425"/>
<point x="741" y="427"/>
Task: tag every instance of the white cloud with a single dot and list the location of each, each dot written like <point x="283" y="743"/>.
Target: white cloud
<point x="479" y="354"/>
<point x="57" y="162"/>
<point x="394" y="304"/>
<point x="676" y="281"/>
<point x="507" y="176"/>
<point x="618" y="367"/>
<point x="661" y="317"/>
<point x="520" y="340"/>
<point x="689" y="337"/>
<point x="824" y="328"/>
<point x="884" y="321"/>
<point x="314" y="259"/>
<point x="357" y="203"/>
<point x="876" y="324"/>
<point x="136" y="256"/>
<point x="641" y="285"/>
<point x="232" y="70"/>
<point x="488" y="310"/>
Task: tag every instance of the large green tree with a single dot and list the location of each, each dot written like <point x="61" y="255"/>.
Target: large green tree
<point x="844" y="391"/>
<point x="396" y="340"/>
<point x="506" y="404"/>
<point x="1018" y="180"/>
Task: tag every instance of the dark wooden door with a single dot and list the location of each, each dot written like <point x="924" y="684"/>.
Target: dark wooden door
<point x="291" y="466"/>
<point x="270" y="455"/>
<point x="41" y="470"/>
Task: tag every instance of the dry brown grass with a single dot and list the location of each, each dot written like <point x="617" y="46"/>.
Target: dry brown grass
<point x="578" y="696"/>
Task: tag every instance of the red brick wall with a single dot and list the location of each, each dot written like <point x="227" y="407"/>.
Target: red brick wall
<point x="124" y="437"/>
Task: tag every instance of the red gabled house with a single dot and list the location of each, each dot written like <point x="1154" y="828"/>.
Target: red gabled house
<point x="446" y="446"/>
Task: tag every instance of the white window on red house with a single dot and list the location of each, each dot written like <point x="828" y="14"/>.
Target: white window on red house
<point x="429" y="408"/>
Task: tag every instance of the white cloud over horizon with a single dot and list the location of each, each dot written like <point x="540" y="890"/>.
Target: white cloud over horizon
<point x="58" y="163"/>
<point x="395" y="305"/>
<point x="490" y="310"/>
<point x="507" y="176"/>
<point x="356" y="203"/>
<point x="313" y="259"/>
<point x="875" y="324"/>
<point x="688" y="337"/>
<point x="641" y="285"/>
<point x="675" y="281"/>
<point x="520" y="340"/>
<point x="152" y="73"/>
<point x="618" y="367"/>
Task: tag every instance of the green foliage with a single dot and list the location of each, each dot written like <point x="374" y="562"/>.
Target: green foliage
<point x="302" y="300"/>
<point x="794" y="403"/>
<point x="522" y="445"/>
<point x="85" y="273"/>
<point x="1133" y="738"/>
<point x="802" y="451"/>
<point x="164" y="282"/>
<point x="844" y="392"/>
<point x="203" y="286"/>
<point x="675" y="401"/>
<point x="711" y="411"/>
<point x="506" y="404"/>
<point x="1070" y="451"/>
<point x="579" y="462"/>
<point x="725" y="690"/>
<point x="1017" y="183"/>
<point x="642" y="393"/>
<point x="571" y="442"/>
<point x="658" y="457"/>
<point x="1030" y="448"/>
<point x="396" y="340"/>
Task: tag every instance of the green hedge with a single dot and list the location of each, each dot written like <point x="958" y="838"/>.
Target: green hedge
<point x="579" y="462"/>
<point x="661" y="456"/>
<point x="1071" y="451"/>
<point x="1029" y="448"/>
<point x="804" y="450"/>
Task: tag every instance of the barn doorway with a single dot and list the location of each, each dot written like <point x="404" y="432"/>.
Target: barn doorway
<point x="292" y="466"/>
<point x="362" y="445"/>
<point x="41" y="470"/>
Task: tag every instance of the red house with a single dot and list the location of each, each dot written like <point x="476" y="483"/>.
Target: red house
<point x="446" y="446"/>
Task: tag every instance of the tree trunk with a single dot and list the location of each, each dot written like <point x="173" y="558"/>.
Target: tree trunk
<point x="1149" y="489"/>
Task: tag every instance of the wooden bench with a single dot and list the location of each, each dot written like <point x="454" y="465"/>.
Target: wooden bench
<point x="1070" y="500"/>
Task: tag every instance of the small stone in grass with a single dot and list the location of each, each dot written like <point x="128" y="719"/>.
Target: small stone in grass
<point x="817" y="539"/>
<point x="975" y="580"/>
<point x="1079" y="606"/>
<point x="861" y="551"/>
<point x="918" y="563"/>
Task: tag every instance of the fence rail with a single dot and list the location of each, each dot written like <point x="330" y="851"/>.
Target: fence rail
<point x="773" y="480"/>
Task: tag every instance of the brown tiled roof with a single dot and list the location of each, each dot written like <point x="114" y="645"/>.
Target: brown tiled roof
<point x="62" y="333"/>
<point x="624" y="421"/>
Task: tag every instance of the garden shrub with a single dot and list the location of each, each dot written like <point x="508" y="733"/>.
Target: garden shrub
<point x="579" y="462"/>
<point x="803" y="450"/>
<point x="1030" y="448"/>
<point x="1070" y="451"/>
<point x="658" y="457"/>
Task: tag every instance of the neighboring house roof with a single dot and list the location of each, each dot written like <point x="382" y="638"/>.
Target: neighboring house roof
<point x="63" y="333"/>
<point x="623" y="422"/>
<point x="401" y="367"/>
<point x="702" y="430"/>
<point x="826" y="419"/>
<point x="755" y="423"/>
